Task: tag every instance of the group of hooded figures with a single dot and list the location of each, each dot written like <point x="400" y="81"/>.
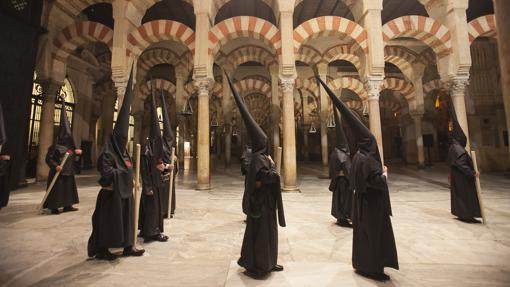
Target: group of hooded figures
<point x="360" y="191"/>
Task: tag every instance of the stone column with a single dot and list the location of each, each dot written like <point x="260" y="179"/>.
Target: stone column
<point x="418" y="121"/>
<point x="275" y="107"/>
<point x="180" y="100"/>
<point x="373" y="85"/>
<point x="502" y="10"/>
<point x="323" y="116"/>
<point x="305" y="144"/>
<point x="203" y="135"/>
<point x="457" y="92"/>
<point x="289" y="135"/>
<point x="227" y="118"/>
<point x="137" y="136"/>
<point x="46" y="128"/>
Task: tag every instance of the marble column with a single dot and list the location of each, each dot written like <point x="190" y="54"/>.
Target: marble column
<point x="226" y="102"/>
<point x="373" y="86"/>
<point x="502" y="10"/>
<point x="180" y="101"/>
<point x="457" y="92"/>
<point x="46" y="128"/>
<point x="289" y="135"/>
<point x="203" y="135"/>
<point x="323" y="116"/>
<point x="418" y="123"/>
<point x="275" y="107"/>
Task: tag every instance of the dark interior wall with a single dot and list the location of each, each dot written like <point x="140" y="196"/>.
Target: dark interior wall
<point x="18" y="49"/>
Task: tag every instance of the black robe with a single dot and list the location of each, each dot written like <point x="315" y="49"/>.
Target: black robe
<point x="151" y="206"/>
<point x="464" y="199"/>
<point x="259" y="252"/>
<point x="64" y="192"/>
<point x="373" y="246"/>
<point x="166" y="189"/>
<point x="4" y="182"/>
<point x="339" y="167"/>
<point x="113" y="218"/>
<point x="245" y="166"/>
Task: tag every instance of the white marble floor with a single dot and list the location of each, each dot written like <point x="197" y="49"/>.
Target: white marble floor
<point x="205" y="236"/>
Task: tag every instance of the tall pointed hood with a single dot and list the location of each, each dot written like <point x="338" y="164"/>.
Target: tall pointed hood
<point x="168" y="134"/>
<point x="155" y="139"/>
<point x="257" y="136"/>
<point x="341" y="139"/>
<point x="65" y="135"/>
<point x="457" y="133"/>
<point x="3" y="133"/>
<point x="364" y="138"/>
<point x="121" y="129"/>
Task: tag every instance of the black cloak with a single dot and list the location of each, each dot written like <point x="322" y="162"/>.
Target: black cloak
<point x="64" y="193"/>
<point x="339" y="169"/>
<point x="151" y="206"/>
<point x="464" y="199"/>
<point x="4" y="164"/>
<point x="168" y="143"/>
<point x="245" y="166"/>
<point x="113" y="218"/>
<point x="263" y="203"/>
<point x="373" y="245"/>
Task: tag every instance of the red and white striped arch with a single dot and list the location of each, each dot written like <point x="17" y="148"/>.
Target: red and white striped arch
<point x="343" y="52"/>
<point x="403" y="87"/>
<point x="251" y="54"/>
<point x="156" y="56"/>
<point x="355" y="105"/>
<point x="326" y="25"/>
<point x="160" y="30"/>
<point x="308" y="55"/>
<point x="247" y="86"/>
<point x="484" y="26"/>
<point x="217" y="4"/>
<point x="157" y="84"/>
<point x="432" y="86"/>
<point x="428" y="57"/>
<point x="390" y="104"/>
<point x="402" y="58"/>
<point x="352" y="84"/>
<point x="309" y="85"/>
<point x="424" y="29"/>
<point x="244" y="26"/>
<point x="78" y="34"/>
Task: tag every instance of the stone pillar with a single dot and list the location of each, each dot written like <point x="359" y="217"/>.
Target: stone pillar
<point x="418" y="121"/>
<point x="289" y="135"/>
<point x="502" y="10"/>
<point x="373" y="85"/>
<point x="203" y="135"/>
<point x="305" y="145"/>
<point x="180" y="100"/>
<point x="275" y="107"/>
<point x="137" y="137"/>
<point x="323" y="116"/>
<point x="457" y="92"/>
<point x="46" y="128"/>
<point x="227" y="120"/>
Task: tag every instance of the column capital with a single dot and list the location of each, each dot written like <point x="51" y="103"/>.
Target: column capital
<point x="287" y="84"/>
<point x="203" y="85"/>
<point x="458" y="85"/>
<point x="373" y="86"/>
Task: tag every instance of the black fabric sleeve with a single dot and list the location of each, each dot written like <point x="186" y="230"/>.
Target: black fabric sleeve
<point x="267" y="175"/>
<point x="52" y="157"/>
<point x="146" y="173"/>
<point x="106" y="167"/>
<point x="462" y="163"/>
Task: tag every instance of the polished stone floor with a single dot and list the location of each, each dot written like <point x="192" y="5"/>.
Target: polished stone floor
<point x="434" y="249"/>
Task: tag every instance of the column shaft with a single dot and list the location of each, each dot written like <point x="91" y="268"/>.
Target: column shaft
<point x="289" y="136"/>
<point x="324" y="114"/>
<point x="419" y="139"/>
<point x="203" y="136"/>
<point x="46" y="129"/>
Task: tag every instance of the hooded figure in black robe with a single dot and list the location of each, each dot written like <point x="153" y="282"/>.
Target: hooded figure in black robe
<point x="339" y="168"/>
<point x="259" y="252"/>
<point x="171" y="165"/>
<point x="245" y="166"/>
<point x="64" y="193"/>
<point x="373" y="245"/>
<point x="113" y="218"/>
<point x="4" y="164"/>
<point x="464" y="199"/>
<point x="151" y="207"/>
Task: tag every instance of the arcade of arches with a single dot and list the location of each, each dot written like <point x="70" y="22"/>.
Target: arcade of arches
<point x="393" y="62"/>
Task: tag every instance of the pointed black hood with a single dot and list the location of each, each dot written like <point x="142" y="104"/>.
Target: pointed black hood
<point x="341" y="139"/>
<point x="365" y="140"/>
<point x="155" y="139"/>
<point x="257" y="136"/>
<point x="121" y="129"/>
<point x="65" y="135"/>
<point x="168" y="134"/>
<point x="458" y="134"/>
<point x="3" y="133"/>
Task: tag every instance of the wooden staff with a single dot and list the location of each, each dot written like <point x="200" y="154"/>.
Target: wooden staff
<point x="137" y="194"/>
<point x="478" y="187"/>
<point x="171" y="185"/>
<point x="278" y="156"/>
<point x="48" y="190"/>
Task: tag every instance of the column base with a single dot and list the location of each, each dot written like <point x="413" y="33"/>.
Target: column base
<point x="203" y="186"/>
<point x="421" y="166"/>
<point x="290" y="189"/>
